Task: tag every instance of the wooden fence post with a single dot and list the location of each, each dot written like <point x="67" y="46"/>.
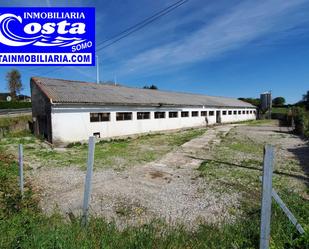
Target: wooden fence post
<point x="266" y="196"/>
<point x="21" y="169"/>
<point x="88" y="182"/>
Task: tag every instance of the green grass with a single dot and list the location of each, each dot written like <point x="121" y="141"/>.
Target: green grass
<point x="279" y="110"/>
<point x="24" y="225"/>
<point x="246" y="146"/>
<point x="9" y="121"/>
<point x="117" y="153"/>
<point x="236" y="165"/>
<point x="258" y="122"/>
<point x="237" y="161"/>
<point x="31" y="230"/>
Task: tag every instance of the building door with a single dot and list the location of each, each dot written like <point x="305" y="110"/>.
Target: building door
<point x="218" y="117"/>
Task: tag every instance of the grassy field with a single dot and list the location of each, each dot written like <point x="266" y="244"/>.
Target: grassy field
<point x="117" y="153"/>
<point x="23" y="225"/>
<point x="235" y="166"/>
<point x="279" y="110"/>
<point x="259" y="122"/>
<point x="8" y="121"/>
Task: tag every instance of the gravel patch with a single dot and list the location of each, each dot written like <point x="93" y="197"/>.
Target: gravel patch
<point x="168" y="189"/>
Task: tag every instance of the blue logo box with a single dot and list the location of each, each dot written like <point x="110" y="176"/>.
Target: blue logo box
<point x="47" y="36"/>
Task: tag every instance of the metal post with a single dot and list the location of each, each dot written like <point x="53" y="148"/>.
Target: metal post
<point x="21" y="169"/>
<point x="266" y="197"/>
<point x="287" y="211"/>
<point x="87" y="192"/>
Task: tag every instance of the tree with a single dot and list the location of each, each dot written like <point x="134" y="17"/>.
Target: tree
<point x="306" y="97"/>
<point x="14" y="84"/>
<point x="152" y="87"/>
<point x="279" y="101"/>
<point x="256" y="102"/>
<point x="306" y="100"/>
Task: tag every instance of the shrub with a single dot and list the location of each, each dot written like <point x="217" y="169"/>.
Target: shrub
<point x="301" y="119"/>
<point x="74" y="144"/>
<point x="14" y="105"/>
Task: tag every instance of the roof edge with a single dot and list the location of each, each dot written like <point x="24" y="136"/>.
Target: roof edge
<point x="34" y="81"/>
<point x="146" y="105"/>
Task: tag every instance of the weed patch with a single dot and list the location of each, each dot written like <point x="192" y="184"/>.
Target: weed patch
<point x="115" y="153"/>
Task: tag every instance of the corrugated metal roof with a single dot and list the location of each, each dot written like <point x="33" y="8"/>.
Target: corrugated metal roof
<point x="67" y="91"/>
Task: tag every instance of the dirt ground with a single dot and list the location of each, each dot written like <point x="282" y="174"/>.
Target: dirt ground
<point x="169" y="188"/>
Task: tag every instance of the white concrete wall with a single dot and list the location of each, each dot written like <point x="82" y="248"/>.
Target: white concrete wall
<point x="238" y="117"/>
<point x="71" y="124"/>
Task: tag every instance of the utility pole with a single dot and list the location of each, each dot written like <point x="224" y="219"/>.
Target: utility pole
<point x="270" y="104"/>
<point x="98" y="73"/>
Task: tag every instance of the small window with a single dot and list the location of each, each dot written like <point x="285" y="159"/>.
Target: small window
<point x="159" y="114"/>
<point x="100" y="117"/>
<point x="97" y="135"/>
<point x="247" y="112"/>
<point x="234" y="112"/>
<point x="211" y="113"/>
<point x="230" y="112"/>
<point x="194" y="114"/>
<point x="239" y="112"/>
<point x="173" y="114"/>
<point x="243" y="112"/>
<point x="121" y="116"/>
<point x="184" y="114"/>
<point x="251" y="112"/>
<point x="143" y="115"/>
<point x="203" y="113"/>
<point x="223" y="112"/>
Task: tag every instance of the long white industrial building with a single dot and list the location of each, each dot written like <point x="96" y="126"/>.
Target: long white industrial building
<point x="68" y="111"/>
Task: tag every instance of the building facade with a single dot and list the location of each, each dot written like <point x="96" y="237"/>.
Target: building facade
<point x="67" y="111"/>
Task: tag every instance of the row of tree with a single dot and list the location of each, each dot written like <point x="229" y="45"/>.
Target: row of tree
<point x="277" y="102"/>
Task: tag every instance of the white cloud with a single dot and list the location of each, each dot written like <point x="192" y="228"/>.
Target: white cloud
<point x="243" y="23"/>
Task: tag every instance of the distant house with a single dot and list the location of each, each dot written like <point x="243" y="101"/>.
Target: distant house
<point x="3" y="96"/>
<point x="21" y="97"/>
<point x="68" y="111"/>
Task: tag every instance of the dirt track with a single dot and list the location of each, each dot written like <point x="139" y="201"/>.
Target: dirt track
<point x="168" y="188"/>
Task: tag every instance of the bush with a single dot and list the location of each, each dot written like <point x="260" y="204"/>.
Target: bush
<point x="301" y="119"/>
<point x="9" y="122"/>
<point x="14" y="105"/>
<point x="279" y="101"/>
<point x="75" y="144"/>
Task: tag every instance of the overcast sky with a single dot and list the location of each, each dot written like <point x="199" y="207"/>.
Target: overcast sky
<point x="224" y="48"/>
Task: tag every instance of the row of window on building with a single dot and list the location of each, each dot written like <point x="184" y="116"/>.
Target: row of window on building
<point x="120" y="116"/>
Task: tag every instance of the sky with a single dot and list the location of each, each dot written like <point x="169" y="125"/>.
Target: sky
<point x="220" y="48"/>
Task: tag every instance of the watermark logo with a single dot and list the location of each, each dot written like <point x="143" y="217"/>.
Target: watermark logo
<point x="47" y="36"/>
